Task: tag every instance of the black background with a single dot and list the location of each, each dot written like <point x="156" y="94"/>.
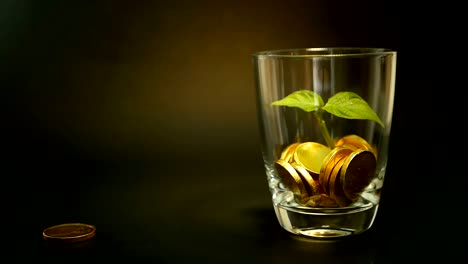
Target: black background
<point x="139" y="117"/>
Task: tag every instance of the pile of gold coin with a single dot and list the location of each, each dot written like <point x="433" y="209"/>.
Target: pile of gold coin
<point x="323" y="177"/>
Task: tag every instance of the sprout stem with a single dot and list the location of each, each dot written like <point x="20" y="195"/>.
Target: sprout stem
<point x="324" y="130"/>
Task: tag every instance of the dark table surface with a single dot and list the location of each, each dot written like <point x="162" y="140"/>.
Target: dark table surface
<point x="187" y="202"/>
<point x="183" y="208"/>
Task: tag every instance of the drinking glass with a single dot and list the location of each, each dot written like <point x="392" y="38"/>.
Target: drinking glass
<point x="325" y="116"/>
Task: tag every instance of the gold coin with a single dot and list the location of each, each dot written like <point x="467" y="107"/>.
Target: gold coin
<point x="291" y="180"/>
<point x="288" y="152"/>
<point x="335" y="188"/>
<point x="356" y="141"/>
<point x="322" y="201"/>
<point x="312" y="187"/>
<point x="69" y="233"/>
<point x="310" y="155"/>
<point x="329" y="163"/>
<point x="357" y="172"/>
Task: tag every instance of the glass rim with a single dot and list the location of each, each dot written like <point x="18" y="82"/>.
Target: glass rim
<point x="324" y="52"/>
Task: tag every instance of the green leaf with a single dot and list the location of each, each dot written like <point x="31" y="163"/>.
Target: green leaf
<point x="306" y="100"/>
<point x="352" y="106"/>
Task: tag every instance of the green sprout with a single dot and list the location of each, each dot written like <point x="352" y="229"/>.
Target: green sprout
<point x="343" y="104"/>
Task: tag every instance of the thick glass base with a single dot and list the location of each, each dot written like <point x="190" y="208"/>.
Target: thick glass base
<point x="324" y="223"/>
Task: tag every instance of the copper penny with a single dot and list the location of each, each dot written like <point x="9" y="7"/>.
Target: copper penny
<point x="69" y="233"/>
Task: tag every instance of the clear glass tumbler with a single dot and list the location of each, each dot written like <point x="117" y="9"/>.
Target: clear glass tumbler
<point x="325" y="116"/>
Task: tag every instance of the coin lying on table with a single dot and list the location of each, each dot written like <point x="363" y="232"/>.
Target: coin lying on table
<point x="69" y="233"/>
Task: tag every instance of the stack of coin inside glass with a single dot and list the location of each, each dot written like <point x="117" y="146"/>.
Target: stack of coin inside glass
<point x="323" y="177"/>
